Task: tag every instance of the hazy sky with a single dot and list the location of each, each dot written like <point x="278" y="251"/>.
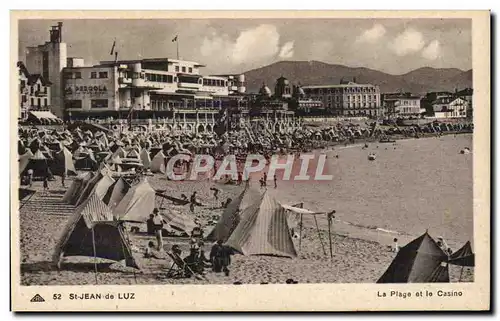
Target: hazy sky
<point x="394" y="46"/>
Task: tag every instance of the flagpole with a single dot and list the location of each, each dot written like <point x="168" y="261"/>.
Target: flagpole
<point x="177" y="43"/>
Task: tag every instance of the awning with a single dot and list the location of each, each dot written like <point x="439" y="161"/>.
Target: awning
<point x="299" y="210"/>
<point x="44" y="117"/>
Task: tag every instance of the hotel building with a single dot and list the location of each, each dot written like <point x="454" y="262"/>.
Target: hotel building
<point x="347" y="98"/>
<point x="402" y="104"/>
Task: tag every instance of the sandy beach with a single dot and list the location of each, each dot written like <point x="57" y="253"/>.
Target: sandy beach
<point x="360" y="247"/>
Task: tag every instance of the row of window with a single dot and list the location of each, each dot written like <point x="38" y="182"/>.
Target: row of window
<point x="94" y="103"/>
<point x="322" y="91"/>
<point x="190" y="69"/>
<point x="161" y="78"/>
<point x="35" y="101"/>
<point x="33" y="89"/>
<point x="78" y="75"/>
<point x="214" y="82"/>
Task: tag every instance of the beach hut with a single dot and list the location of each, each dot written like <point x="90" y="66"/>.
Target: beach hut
<point x="263" y="230"/>
<point x="420" y="261"/>
<point x="92" y="232"/>
<point x="137" y="204"/>
<point x="231" y="216"/>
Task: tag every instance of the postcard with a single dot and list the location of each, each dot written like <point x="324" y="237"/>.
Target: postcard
<point x="250" y="161"/>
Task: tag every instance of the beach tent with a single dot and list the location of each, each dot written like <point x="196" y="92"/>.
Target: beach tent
<point x="178" y="221"/>
<point x="120" y="152"/>
<point x="38" y="163"/>
<point x="263" y="230"/>
<point x="420" y="261"/>
<point x="231" y="216"/>
<point x="116" y="192"/>
<point x="463" y="257"/>
<point x="92" y="232"/>
<point x="63" y="163"/>
<point x="145" y="159"/>
<point x="73" y="192"/>
<point x="98" y="185"/>
<point x="158" y="163"/>
<point x="24" y="160"/>
<point x="137" y="204"/>
<point x="85" y="161"/>
<point x="133" y="154"/>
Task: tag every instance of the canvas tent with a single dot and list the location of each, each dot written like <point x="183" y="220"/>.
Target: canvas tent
<point x="73" y="192"/>
<point x="92" y="232"/>
<point x="63" y="163"/>
<point x="420" y="261"/>
<point x="145" y="159"/>
<point x="38" y="163"/>
<point x="178" y="221"/>
<point x="230" y="218"/>
<point x="158" y="163"/>
<point x="263" y="230"/>
<point x="116" y="192"/>
<point x="24" y="160"/>
<point x="99" y="185"/>
<point x="463" y="257"/>
<point x="137" y="204"/>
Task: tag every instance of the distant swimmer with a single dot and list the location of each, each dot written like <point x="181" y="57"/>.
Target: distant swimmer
<point x="336" y="156"/>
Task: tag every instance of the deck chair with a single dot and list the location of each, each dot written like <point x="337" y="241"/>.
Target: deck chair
<point x="179" y="268"/>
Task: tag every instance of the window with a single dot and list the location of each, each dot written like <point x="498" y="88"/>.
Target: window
<point x="190" y="69"/>
<point x="32" y="102"/>
<point x="44" y="90"/>
<point x="99" y="103"/>
<point x="24" y="98"/>
<point x="23" y="84"/>
<point x="45" y="102"/>
<point x="183" y="69"/>
<point x="78" y="75"/>
<point x="39" y="102"/>
<point x="177" y="68"/>
<point x="103" y="74"/>
<point x="93" y="75"/>
<point x="76" y="103"/>
<point x="32" y="90"/>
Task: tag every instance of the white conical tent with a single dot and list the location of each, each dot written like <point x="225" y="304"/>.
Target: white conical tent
<point x="145" y="159"/>
<point x="263" y="230"/>
<point x="158" y="163"/>
<point x="137" y="204"/>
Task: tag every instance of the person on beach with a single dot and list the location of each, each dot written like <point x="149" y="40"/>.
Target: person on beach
<point x="158" y="227"/>
<point x="46" y="183"/>
<point x="63" y="176"/>
<point x="151" y="252"/>
<point x="395" y="247"/>
<point x="216" y="192"/>
<point x="264" y="179"/>
<point x="240" y="178"/>
<point x="192" y="202"/>
<point x="150" y="225"/>
<point x="30" y="177"/>
<point x="275" y="181"/>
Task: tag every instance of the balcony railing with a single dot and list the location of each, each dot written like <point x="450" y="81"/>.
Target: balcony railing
<point x="40" y="93"/>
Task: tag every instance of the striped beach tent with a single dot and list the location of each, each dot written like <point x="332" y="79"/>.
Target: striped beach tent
<point x="230" y="218"/>
<point x="263" y="230"/>
<point x="116" y="192"/>
<point x="92" y="232"/>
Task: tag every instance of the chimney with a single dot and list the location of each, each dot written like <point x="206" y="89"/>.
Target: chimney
<point x="59" y="25"/>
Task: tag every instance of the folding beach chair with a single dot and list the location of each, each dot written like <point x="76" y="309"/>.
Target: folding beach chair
<point x="180" y="269"/>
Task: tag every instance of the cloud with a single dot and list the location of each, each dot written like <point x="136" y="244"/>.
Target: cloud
<point x="372" y="35"/>
<point x="286" y="51"/>
<point x="432" y="51"/>
<point x="253" y="45"/>
<point x="407" y="42"/>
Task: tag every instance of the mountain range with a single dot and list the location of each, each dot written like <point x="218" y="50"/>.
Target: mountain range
<point x="418" y="81"/>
